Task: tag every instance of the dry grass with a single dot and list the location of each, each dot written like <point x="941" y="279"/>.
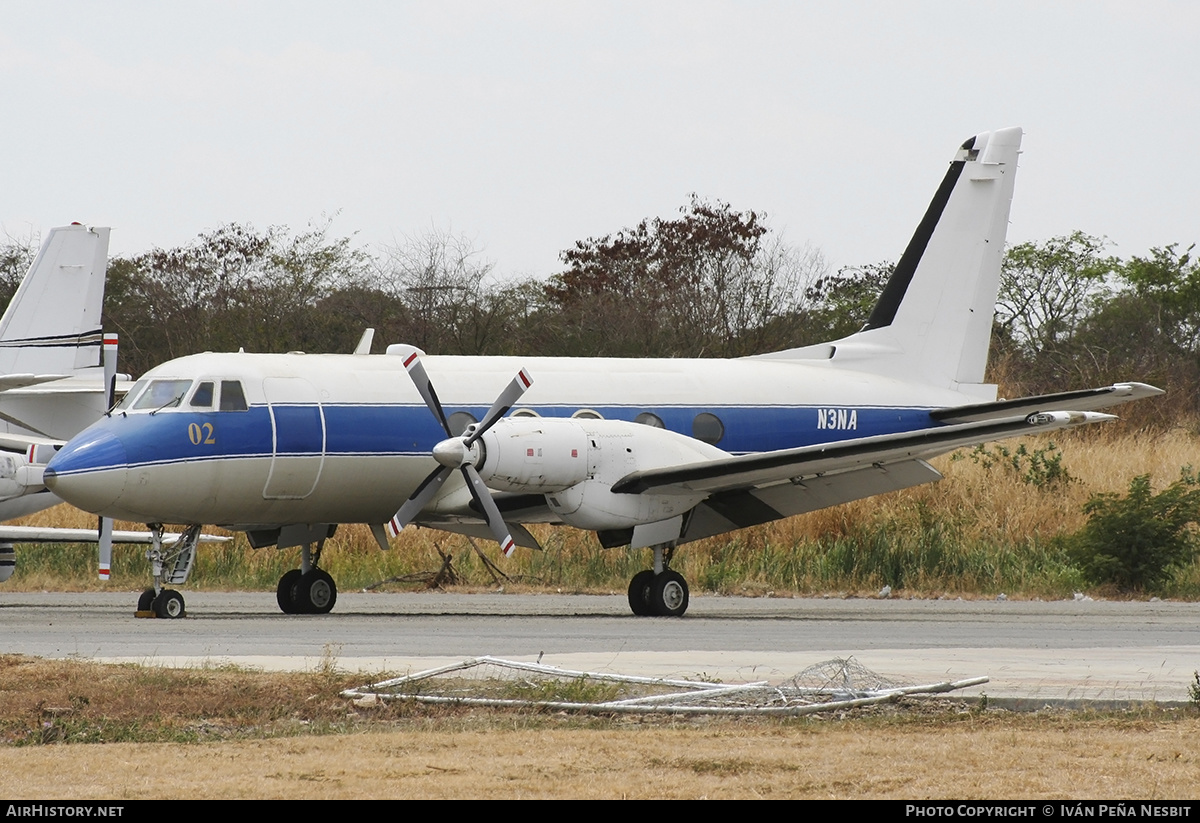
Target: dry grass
<point x="271" y="736"/>
<point x="981" y="531"/>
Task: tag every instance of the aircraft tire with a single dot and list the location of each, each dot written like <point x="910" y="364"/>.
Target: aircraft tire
<point x="169" y="604"/>
<point x="146" y="601"/>
<point x="285" y="592"/>
<point x="316" y="593"/>
<point x="639" y="593"/>
<point x="669" y="594"/>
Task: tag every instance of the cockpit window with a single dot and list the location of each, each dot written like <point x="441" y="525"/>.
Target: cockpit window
<point x="202" y="398"/>
<point x="232" y="396"/>
<point x="131" y="395"/>
<point x="161" y="394"/>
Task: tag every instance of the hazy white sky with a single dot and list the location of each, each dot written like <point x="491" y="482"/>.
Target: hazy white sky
<point x="529" y="125"/>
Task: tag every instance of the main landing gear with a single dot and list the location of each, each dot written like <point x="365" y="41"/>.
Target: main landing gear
<point x="659" y="591"/>
<point x="308" y="589"/>
<point x="170" y="563"/>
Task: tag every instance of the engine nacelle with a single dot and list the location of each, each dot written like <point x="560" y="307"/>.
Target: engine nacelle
<point x="18" y="476"/>
<point x="574" y="462"/>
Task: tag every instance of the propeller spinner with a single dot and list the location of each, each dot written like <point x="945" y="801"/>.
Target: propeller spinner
<point x="456" y="452"/>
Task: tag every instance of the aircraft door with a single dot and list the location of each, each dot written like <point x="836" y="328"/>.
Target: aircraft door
<point x="297" y="437"/>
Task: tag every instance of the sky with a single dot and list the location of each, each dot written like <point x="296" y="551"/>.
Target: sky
<point x="526" y="126"/>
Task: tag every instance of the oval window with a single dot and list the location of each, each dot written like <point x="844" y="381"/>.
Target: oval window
<point x="459" y="421"/>
<point x="708" y="427"/>
<point x="649" y="419"/>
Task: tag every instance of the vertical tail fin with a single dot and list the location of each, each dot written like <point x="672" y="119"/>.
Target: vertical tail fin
<point x="933" y="321"/>
<point x="52" y="324"/>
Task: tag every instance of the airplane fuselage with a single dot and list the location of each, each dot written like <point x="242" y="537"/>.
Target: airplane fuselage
<point x="346" y="438"/>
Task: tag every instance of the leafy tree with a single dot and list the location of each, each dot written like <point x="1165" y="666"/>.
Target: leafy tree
<point x="1135" y="542"/>
<point x="1169" y="280"/>
<point x="232" y="287"/>
<point x="706" y="284"/>
<point x="16" y="256"/>
<point x="1047" y="288"/>
<point x="840" y="305"/>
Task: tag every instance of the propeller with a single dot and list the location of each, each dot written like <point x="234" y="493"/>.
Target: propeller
<point x="105" y="527"/>
<point x="455" y="453"/>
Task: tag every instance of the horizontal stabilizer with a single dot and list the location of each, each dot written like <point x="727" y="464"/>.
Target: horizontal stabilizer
<point x="20" y="381"/>
<point x="1084" y="400"/>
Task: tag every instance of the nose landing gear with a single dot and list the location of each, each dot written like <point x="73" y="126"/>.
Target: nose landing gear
<point x="169" y="563"/>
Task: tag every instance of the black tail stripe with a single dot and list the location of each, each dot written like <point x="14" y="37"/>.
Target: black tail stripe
<point x="893" y="293"/>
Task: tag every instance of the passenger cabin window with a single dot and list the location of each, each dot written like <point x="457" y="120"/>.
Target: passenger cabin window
<point x="650" y="419"/>
<point x="232" y="396"/>
<point x="708" y="427"/>
<point x="162" y="394"/>
<point x="459" y="421"/>
<point x="202" y="397"/>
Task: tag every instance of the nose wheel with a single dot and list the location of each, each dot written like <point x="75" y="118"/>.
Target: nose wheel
<point x="166" y="603"/>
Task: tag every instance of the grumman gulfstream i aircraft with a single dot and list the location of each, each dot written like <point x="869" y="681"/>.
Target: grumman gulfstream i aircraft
<point x="647" y="453"/>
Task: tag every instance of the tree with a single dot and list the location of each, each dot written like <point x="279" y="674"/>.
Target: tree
<point x="445" y="286"/>
<point x="16" y="256"/>
<point x="232" y="287"/>
<point x="706" y="284"/>
<point x="1136" y="541"/>
<point x="841" y="305"/>
<point x="1047" y="288"/>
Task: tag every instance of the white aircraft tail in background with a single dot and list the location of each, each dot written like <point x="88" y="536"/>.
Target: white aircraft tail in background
<point x="56" y="378"/>
<point x="51" y="375"/>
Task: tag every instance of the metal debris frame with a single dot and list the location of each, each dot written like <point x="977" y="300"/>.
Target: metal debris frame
<point x="495" y="682"/>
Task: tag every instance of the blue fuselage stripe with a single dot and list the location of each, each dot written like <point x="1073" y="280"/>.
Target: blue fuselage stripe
<point x="383" y="430"/>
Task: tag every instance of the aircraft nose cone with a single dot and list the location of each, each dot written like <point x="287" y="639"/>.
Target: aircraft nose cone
<point x="89" y="472"/>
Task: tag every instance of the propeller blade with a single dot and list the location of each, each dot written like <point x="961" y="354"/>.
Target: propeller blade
<point x="511" y="394"/>
<point x="421" y="380"/>
<point x="110" y="370"/>
<point x="105" y="544"/>
<point x="495" y="521"/>
<point x="420" y="498"/>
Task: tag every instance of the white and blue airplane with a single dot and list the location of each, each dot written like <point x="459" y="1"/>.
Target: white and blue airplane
<point x="646" y="452"/>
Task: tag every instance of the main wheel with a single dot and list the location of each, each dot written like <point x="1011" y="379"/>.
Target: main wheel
<point x="285" y="593"/>
<point x="146" y="601"/>
<point x="316" y="592"/>
<point x="639" y="593"/>
<point x="169" y="604"/>
<point x="669" y="594"/>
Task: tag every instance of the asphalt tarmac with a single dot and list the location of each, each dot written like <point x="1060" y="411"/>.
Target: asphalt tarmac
<point x="1030" y="650"/>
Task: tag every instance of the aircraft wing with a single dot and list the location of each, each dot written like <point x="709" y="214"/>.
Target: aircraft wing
<point x="762" y="469"/>
<point x="37" y="534"/>
<point x="1084" y="400"/>
<point x="760" y="488"/>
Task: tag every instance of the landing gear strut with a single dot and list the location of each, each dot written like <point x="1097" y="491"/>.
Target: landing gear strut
<point x="308" y="589"/>
<point x="168" y="564"/>
<point x="659" y="591"/>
